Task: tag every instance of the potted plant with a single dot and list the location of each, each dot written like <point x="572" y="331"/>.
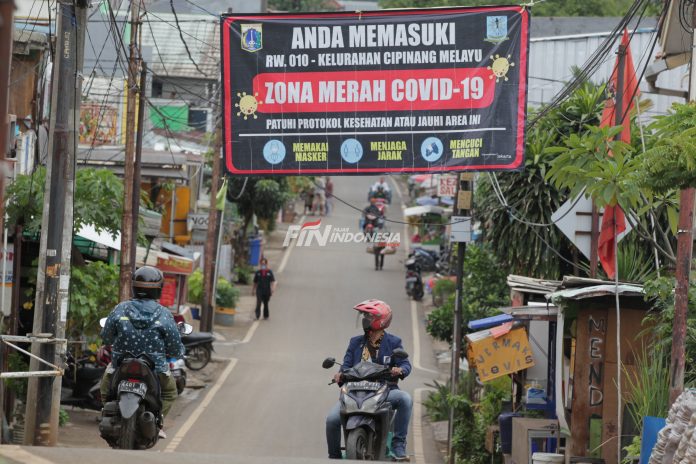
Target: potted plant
<point x="226" y="298"/>
<point x="195" y="293"/>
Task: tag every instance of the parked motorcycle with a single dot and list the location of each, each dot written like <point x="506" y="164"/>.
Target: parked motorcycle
<point x="199" y="347"/>
<point x="367" y="418"/>
<point x="132" y="417"/>
<point x="178" y="370"/>
<point x="427" y="259"/>
<point x="414" y="280"/>
<point x="80" y="385"/>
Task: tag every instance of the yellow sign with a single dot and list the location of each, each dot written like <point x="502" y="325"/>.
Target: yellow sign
<point x="495" y="357"/>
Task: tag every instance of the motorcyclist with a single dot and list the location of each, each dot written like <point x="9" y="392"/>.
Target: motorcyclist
<point x="142" y="325"/>
<point x="377" y="346"/>
<point x="372" y="210"/>
<point x="382" y="188"/>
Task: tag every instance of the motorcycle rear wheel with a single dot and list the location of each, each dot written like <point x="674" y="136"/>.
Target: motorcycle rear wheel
<point x="357" y="445"/>
<point x="126" y="440"/>
<point x="197" y="357"/>
<point x="418" y="293"/>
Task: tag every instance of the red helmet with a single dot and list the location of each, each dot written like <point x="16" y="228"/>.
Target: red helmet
<point x="377" y="314"/>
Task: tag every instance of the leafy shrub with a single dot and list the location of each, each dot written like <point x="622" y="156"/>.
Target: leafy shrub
<point x="195" y="288"/>
<point x="442" y="290"/>
<point x="484" y="289"/>
<point x="93" y="294"/>
<point x="16" y="363"/>
<point x="226" y="295"/>
<point x="244" y="273"/>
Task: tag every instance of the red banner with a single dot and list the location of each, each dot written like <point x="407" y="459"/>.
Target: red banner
<point x="406" y="90"/>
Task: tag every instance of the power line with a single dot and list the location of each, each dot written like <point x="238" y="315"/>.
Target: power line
<point x="181" y="34"/>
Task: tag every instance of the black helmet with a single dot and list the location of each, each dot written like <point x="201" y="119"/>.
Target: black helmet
<point x="147" y="283"/>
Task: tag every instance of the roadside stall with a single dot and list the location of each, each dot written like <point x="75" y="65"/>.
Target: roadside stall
<point x="177" y="264"/>
<point x="428" y="226"/>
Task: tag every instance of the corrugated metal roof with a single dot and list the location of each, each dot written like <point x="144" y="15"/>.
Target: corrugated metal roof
<point x="595" y="291"/>
<point x="201" y="34"/>
<point x="551" y="61"/>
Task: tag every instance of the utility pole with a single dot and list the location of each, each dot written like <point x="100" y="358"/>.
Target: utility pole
<point x="458" y="316"/>
<point x="209" y="252"/>
<point x="127" y="227"/>
<point x="685" y="243"/>
<point x="6" y="33"/>
<point x="138" y="159"/>
<point x="53" y="278"/>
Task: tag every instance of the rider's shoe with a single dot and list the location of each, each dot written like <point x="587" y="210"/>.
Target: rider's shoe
<point x="162" y="435"/>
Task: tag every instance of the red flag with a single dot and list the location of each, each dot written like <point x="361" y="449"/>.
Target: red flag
<point x="629" y="91"/>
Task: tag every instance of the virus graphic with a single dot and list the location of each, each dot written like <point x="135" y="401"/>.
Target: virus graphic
<point x="500" y="67"/>
<point x="248" y="104"/>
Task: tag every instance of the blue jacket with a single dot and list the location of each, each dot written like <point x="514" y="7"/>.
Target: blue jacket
<point x="386" y="348"/>
<point x="143" y="326"/>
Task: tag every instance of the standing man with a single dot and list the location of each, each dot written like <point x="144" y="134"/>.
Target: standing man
<point x="329" y="195"/>
<point x="264" y="286"/>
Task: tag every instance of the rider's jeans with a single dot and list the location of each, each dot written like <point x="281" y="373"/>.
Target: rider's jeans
<point x="403" y="404"/>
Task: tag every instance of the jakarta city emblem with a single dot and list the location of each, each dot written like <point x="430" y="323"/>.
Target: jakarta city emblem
<point x="252" y="38"/>
<point x="496" y="28"/>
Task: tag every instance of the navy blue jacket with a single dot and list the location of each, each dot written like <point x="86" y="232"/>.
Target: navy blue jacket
<point x="386" y="348"/>
<point x="143" y="326"/>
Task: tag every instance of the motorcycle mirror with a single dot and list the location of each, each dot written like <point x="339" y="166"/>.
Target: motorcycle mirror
<point x="328" y="363"/>
<point x="399" y="354"/>
<point x="185" y="329"/>
<point x="102" y="322"/>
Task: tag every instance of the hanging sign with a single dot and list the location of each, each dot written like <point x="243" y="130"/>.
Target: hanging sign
<point x="385" y="91"/>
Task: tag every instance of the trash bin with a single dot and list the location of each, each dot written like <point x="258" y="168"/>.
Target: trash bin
<point x="505" y="424"/>
<point x="224" y="316"/>
<point x="254" y="251"/>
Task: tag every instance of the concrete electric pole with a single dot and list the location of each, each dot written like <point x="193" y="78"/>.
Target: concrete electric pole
<point x="128" y="239"/>
<point x="53" y="278"/>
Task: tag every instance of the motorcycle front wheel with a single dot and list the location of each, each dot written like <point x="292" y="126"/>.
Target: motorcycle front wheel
<point x="357" y="445"/>
<point x="126" y="440"/>
<point x="197" y="357"/>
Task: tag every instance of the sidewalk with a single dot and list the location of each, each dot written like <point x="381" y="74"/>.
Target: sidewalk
<point x="273" y="250"/>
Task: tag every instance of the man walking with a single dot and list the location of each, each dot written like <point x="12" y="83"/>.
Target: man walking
<point x="264" y="286"/>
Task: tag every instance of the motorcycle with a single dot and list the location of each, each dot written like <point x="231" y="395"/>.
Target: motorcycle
<point x="80" y="386"/>
<point x="199" y="347"/>
<point x="178" y="370"/>
<point x="132" y="418"/>
<point x="414" y="280"/>
<point x="427" y="260"/>
<point x="367" y="418"/>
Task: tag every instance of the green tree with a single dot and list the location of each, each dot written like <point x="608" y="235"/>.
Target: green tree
<point x="93" y="294"/>
<point x="301" y="5"/>
<point x="98" y="200"/>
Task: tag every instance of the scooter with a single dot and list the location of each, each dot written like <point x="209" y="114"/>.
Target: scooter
<point x="132" y="418"/>
<point x="199" y="347"/>
<point x="367" y="418"/>
<point x="414" y="280"/>
<point x="426" y="259"/>
<point x="80" y="386"/>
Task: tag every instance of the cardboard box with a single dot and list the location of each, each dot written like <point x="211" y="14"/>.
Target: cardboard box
<point x="524" y="430"/>
<point x="496" y="357"/>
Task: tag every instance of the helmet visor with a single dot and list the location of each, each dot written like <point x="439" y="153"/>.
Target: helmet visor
<point x="364" y="320"/>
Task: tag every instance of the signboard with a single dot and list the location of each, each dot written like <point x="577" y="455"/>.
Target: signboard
<point x="460" y="229"/>
<point x="198" y="221"/>
<point x="447" y="186"/>
<point x="496" y="357"/>
<point x="174" y="264"/>
<point x="384" y="91"/>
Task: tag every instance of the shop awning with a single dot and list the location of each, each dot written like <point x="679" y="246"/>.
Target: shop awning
<point x="421" y="210"/>
<point x="88" y="232"/>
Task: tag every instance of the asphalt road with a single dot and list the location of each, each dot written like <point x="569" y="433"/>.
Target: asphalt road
<point x="271" y="399"/>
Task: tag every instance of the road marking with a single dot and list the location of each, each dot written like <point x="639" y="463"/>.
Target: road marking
<point x="416" y="339"/>
<point x="17" y="453"/>
<point x="183" y="430"/>
<point x="284" y="262"/>
<point x="398" y="192"/>
<point x="417" y="430"/>
<point x="288" y="251"/>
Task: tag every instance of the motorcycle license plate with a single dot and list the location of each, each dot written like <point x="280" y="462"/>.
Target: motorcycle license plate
<point x="138" y="388"/>
<point x="364" y="385"/>
<point x="411" y="279"/>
